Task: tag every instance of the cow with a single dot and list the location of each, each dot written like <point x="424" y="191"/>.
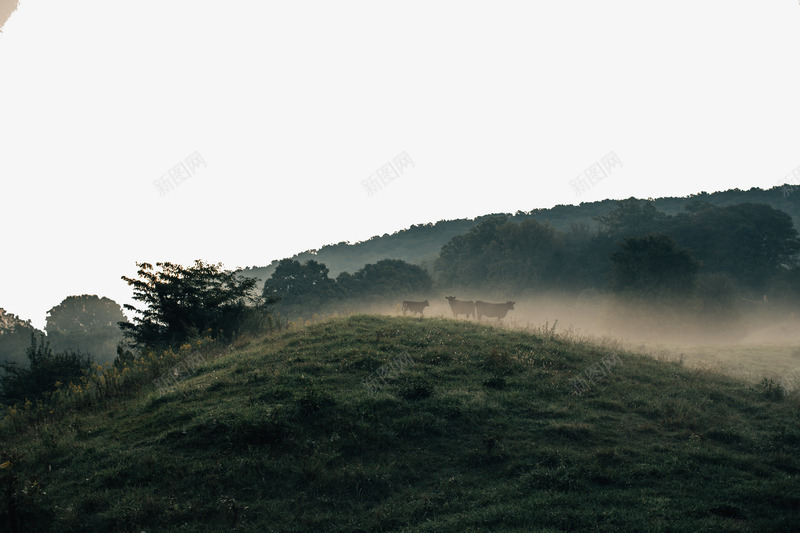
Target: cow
<point x="493" y="310"/>
<point x="459" y="307"/>
<point x="415" y="307"/>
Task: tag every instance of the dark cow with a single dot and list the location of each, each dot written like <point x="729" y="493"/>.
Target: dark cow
<point x="493" y="310"/>
<point x="414" y="307"/>
<point x="460" y="307"/>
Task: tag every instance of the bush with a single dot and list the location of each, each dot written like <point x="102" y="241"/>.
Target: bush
<point x="46" y="373"/>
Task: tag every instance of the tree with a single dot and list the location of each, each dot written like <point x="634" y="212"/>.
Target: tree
<point x="750" y="242"/>
<point x="45" y="371"/>
<point x="88" y="323"/>
<point x="509" y="255"/>
<point x="463" y="261"/>
<point x="185" y="302"/>
<point x="300" y="288"/>
<point x="388" y="278"/>
<point x="652" y="265"/>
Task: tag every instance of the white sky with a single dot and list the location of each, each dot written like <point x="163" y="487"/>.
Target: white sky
<point x="292" y="104"/>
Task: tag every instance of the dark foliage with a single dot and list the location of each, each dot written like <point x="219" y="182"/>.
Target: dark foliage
<point x="652" y="265"/>
<point x="388" y="278"/>
<point x="46" y="370"/>
<point x="305" y="289"/>
<point x="187" y="302"/>
<point x="299" y="287"/>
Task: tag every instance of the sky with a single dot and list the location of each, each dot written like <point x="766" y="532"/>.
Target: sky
<point x="182" y="130"/>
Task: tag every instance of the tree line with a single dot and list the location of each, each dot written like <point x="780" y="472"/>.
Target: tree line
<point x="634" y="249"/>
<point x="713" y="254"/>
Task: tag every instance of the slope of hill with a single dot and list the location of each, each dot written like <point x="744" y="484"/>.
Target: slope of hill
<point x="420" y="244"/>
<point x="370" y="423"/>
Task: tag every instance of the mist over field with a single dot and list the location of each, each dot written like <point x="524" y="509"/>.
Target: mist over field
<point x="753" y="340"/>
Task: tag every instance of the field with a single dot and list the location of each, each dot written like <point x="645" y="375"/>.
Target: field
<point x="383" y="423"/>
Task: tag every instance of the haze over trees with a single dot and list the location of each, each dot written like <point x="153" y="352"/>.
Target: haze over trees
<point x="421" y="243"/>
<point x="15" y="337"/>
<point x="705" y="259"/>
<point x="86" y="323"/>
<point x="46" y="371"/>
<point x="750" y="243"/>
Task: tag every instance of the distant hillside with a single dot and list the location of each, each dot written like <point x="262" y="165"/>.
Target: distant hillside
<point x="372" y="423"/>
<point x="420" y="244"/>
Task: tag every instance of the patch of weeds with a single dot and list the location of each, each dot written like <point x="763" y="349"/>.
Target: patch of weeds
<point x="313" y="401"/>
<point x="418" y="425"/>
<point x="368" y="363"/>
<point x="415" y="388"/>
<point x="728" y="511"/>
<point x="771" y="390"/>
<point x="495" y="382"/>
<point x="497" y="362"/>
<point x="256" y="430"/>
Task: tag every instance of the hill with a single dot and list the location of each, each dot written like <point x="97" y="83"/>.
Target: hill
<point x="420" y="244"/>
<point x="374" y="423"/>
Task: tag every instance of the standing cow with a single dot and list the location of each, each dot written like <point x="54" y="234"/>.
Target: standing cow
<point x="493" y="310"/>
<point x="414" y="307"/>
<point x="460" y="307"/>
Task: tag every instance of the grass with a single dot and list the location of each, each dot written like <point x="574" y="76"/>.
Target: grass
<point x="463" y="427"/>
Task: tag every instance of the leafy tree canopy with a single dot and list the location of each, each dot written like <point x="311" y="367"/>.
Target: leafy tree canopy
<point x="300" y="287"/>
<point x="389" y="278"/>
<point x="184" y="302"/>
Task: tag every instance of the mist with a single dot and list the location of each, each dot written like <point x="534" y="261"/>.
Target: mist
<point x="753" y="340"/>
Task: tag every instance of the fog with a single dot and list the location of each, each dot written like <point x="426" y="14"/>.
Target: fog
<point x="752" y="341"/>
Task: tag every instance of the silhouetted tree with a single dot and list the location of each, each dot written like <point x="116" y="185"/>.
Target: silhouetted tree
<point x="184" y="302"/>
<point x="388" y="278"/>
<point x="302" y="289"/>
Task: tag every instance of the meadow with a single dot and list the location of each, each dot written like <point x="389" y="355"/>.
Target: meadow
<point x="385" y="423"/>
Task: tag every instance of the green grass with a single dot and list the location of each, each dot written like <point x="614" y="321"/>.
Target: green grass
<point x="471" y="428"/>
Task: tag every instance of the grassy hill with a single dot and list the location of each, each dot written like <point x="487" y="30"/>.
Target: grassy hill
<point x="375" y="423"/>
